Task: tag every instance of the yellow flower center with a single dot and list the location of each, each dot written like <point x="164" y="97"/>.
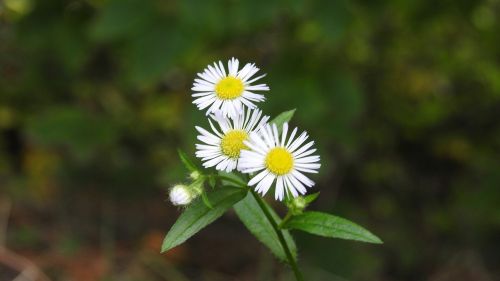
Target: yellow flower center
<point x="229" y="88"/>
<point x="279" y="161"/>
<point x="232" y="143"/>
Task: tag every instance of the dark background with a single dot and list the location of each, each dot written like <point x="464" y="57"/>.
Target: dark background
<point x="402" y="98"/>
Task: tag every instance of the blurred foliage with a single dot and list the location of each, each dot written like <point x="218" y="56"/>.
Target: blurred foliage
<point x="402" y="97"/>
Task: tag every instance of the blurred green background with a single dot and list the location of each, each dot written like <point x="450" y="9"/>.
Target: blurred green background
<point x="402" y="98"/>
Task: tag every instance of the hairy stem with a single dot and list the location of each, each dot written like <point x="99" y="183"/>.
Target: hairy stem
<point x="291" y="260"/>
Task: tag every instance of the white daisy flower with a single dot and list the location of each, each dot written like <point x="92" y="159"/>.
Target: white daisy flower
<point x="227" y="92"/>
<point x="280" y="160"/>
<point x="222" y="148"/>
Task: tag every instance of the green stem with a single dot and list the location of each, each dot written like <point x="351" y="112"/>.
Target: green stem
<point x="291" y="260"/>
<point x="239" y="183"/>
<point x="287" y="217"/>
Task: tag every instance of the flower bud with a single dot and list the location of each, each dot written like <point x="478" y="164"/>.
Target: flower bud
<point x="195" y="175"/>
<point x="180" y="195"/>
<point x="297" y="205"/>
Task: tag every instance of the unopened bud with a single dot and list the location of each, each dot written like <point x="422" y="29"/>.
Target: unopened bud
<point x="195" y="175"/>
<point x="180" y="195"/>
<point x="297" y="205"/>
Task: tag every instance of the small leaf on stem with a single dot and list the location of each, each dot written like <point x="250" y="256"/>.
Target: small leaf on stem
<point x="311" y="197"/>
<point x="283" y="118"/>
<point x="187" y="162"/>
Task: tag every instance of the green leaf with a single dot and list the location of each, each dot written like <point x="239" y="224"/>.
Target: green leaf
<point x="198" y="215"/>
<point x="330" y="226"/>
<point x="187" y="162"/>
<point x="283" y="118"/>
<point x="254" y="219"/>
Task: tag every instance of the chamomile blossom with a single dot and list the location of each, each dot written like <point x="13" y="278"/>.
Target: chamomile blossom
<point x="229" y="91"/>
<point x="282" y="159"/>
<point x="221" y="148"/>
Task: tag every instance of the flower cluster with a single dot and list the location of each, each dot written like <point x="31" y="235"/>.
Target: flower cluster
<point x="241" y="138"/>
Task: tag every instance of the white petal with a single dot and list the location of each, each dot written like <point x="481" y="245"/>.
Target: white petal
<point x="254" y="79"/>
<point x="283" y="134"/>
<point x="308" y="159"/>
<point x="292" y="135"/>
<point x="264" y="185"/>
<point x="253" y="97"/>
<point x="303" y="137"/>
<point x="214" y="161"/>
<point x="278" y="194"/>
<point x="260" y="87"/>
<point x="290" y="186"/>
<point x="203" y="94"/>
<point x="258" y="178"/>
<point x="305" y="180"/>
<point x="309" y="152"/>
<point x="303" y="148"/>
<point x="295" y="184"/>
